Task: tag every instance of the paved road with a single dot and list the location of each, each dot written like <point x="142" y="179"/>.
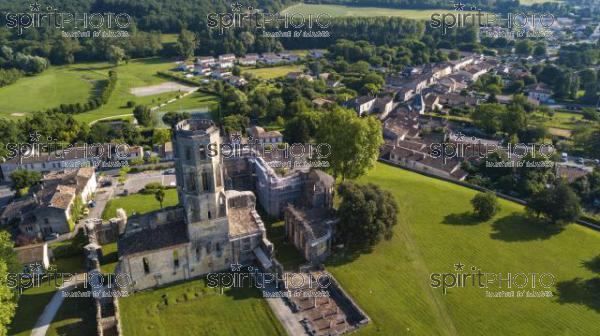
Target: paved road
<point x="44" y="321"/>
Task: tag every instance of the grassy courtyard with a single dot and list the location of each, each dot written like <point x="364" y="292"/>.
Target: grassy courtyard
<point x="193" y="309"/>
<point x="138" y="203"/>
<point x="340" y="10"/>
<point x="434" y="232"/>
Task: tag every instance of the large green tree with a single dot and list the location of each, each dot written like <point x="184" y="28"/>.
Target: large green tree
<point x="186" y="43"/>
<point x="559" y="204"/>
<point x="367" y="213"/>
<point x="354" y="142"/>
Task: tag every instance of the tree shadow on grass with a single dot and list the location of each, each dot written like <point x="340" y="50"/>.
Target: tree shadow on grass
<point x="521" y="227"/>
<point x="465" y="218"/>
<point x="345" y="255"/>
<point x="580" y="291"/>
<point x="593" y="264"/>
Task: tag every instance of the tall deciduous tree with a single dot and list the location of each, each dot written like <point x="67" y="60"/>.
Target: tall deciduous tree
<point x="354" y="142"/>
<point x="559" y="203"/>
<point x="186" y="43"/>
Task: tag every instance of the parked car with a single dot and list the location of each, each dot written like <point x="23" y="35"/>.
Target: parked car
<point x="125" y="192"/>
<point x="51" y="236"/>
<point x="106" y="183"/>
<point x="92" y="204"/>
<point x="580" y="161"/>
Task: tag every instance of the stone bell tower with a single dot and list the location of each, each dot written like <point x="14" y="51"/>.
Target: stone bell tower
<point x="198" y="167"/>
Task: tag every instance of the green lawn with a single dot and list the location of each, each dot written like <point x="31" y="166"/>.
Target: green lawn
<point x="193" y="309"/>
<point x="55" y="86"/>
<point x="31" y="305"/>
<point x="76" y="316"/>
<point x="138" y="203"/>
<point x="562" y="120"/>
<point x="434" y="232"/>
<point x="340" y="10"/>
<point x="273" y="72"/>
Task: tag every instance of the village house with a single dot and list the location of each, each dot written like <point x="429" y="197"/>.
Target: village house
<point x="362" y="105"/>
<point x="271" y="59"/>
<point x="424" y="162"/>
<point x="401" y="126"/>
<point x="226" y="61"/>
<point x="248" y="60"/>
<point x="265" y="137"/>
<point x="48" y="208"/>
<point x="205" y="61"/>
<point x="221" y="74"/>
<point x="540" y="92"/>
<point x="383" y="106"/>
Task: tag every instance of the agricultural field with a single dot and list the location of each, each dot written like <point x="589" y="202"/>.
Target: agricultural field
<point x="344" y="11"/>
<point x="138" y="203"/>
<point x="436" y="231"/>
<point x="192" y="308"/>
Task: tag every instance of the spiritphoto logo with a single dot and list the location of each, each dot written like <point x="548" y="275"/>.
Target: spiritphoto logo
<point x="511" y="25"/>
<point x="98" y="284"/>
<point x="473" y="148"/>
<point x="495" y="284"/>
<point x="252" y="277"/>
<point x="293" y="24"/>
<point x="45" y="150"/>
<point x="82" y="24"/>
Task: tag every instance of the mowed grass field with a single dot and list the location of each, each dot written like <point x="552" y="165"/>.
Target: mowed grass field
<point x="79" y="82"/>
<point x="273" y="72"/>
<point x="434" y="232"/>
<point x="136" y="73"/>
<point x="340" y="10"/>
<point x="191" y="308"/>
<point x="55" y="86"/>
